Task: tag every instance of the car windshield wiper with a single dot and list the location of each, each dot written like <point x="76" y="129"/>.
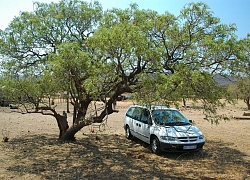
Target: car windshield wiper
<point x="177" y="123"/>
<point x="172" y="123"/>
<point x="187" y="123"/>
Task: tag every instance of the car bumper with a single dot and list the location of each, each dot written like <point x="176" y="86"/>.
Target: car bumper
<point x="181" y="147"/>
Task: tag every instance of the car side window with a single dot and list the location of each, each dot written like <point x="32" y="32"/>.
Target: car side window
<point x="137" y="113"/>
<point x="145" y="116"/>
<point x="130" y="112"/>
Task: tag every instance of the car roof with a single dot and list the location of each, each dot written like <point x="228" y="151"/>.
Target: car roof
<point x="153" y="107"/>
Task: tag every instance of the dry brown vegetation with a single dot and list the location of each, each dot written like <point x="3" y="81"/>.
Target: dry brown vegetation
<point x="34" y="152"/>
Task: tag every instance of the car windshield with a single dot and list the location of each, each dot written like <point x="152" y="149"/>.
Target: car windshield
<point x="169" y="117"/>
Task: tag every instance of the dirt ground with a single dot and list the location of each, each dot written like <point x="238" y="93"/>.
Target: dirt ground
<point x="33" y="150"/>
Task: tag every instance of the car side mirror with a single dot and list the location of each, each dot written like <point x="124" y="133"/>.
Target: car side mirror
<point x="191" y="121"/>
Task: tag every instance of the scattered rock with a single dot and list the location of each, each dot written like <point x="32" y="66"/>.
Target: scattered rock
<point x="5" y="139"/>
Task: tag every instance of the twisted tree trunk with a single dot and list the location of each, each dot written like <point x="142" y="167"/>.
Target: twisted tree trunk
<point x="62" y="124"/>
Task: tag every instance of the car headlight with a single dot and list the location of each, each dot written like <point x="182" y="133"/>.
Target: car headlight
<point x="201" y="137"/>
<point x="168" y="138"/>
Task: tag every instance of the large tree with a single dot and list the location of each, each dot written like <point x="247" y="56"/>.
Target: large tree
<point x="242" y="71"/>
<point x="165" y="58"/>
<point x="68" y="46"/>
<point x="26" y="45"/>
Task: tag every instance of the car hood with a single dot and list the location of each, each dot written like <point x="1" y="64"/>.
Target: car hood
<point x="183" y="131"/>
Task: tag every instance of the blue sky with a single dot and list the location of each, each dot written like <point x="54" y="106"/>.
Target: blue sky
<point x="229" y="11"/>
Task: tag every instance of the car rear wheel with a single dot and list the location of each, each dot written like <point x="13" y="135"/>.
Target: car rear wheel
<point x="155" y="145"/>
<point x="128" y="133"/>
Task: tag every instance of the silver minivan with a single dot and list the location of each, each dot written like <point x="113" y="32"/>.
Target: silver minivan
<point x="165" y="129"/>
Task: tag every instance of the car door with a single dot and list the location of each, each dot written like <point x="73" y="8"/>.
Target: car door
<point x="143" y="126"/>
<point x="136" y="116"/>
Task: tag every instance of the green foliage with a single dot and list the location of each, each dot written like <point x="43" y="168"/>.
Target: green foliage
<point x="241" y="71"/>
<point x="161" y="58"/>
<point x="30" y="38"/>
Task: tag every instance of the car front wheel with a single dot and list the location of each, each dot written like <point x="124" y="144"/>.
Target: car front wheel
<point x="128" y="133"/>
<point x="155" y="145"/>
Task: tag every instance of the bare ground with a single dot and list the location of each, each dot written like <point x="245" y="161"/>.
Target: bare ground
<point x="33" y="150"/>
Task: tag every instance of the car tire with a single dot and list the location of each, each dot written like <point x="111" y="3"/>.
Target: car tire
<point x="128" y="133"/>
<point x="155" y="145"/>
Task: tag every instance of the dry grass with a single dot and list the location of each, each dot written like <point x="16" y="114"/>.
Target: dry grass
<point x="114" y="157"/>
<point x="36" y="154"/>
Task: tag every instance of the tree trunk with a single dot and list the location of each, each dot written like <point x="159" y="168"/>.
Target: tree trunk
<point x="49" y="102"/>
<point x="248" y="105"/>
<point x="68" y="111"/>
<point x="69" y="135"/>
<point x="78" y="124"/>
<point x="247" y="101"/>
<point x="62" y="124"/>
<point x="184" y="102"/>
<point x="74" y="115"/>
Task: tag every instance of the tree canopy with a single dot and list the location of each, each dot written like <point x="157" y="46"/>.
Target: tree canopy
<point x="241" y="88"/>
<point x="74" y="46"/>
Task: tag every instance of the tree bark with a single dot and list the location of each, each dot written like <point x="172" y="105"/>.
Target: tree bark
<point x="68" y="111"/>
<point x="69" y="135"/>
<point x="184" y="102"/>
<point x="62" y="124"/>
<point x="79" y="120"/>
<point x="247" y="101"/>
<point x="66" y="133"/>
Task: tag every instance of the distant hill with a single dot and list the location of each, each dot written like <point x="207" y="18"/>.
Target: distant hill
<point x="224" y="81"/>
